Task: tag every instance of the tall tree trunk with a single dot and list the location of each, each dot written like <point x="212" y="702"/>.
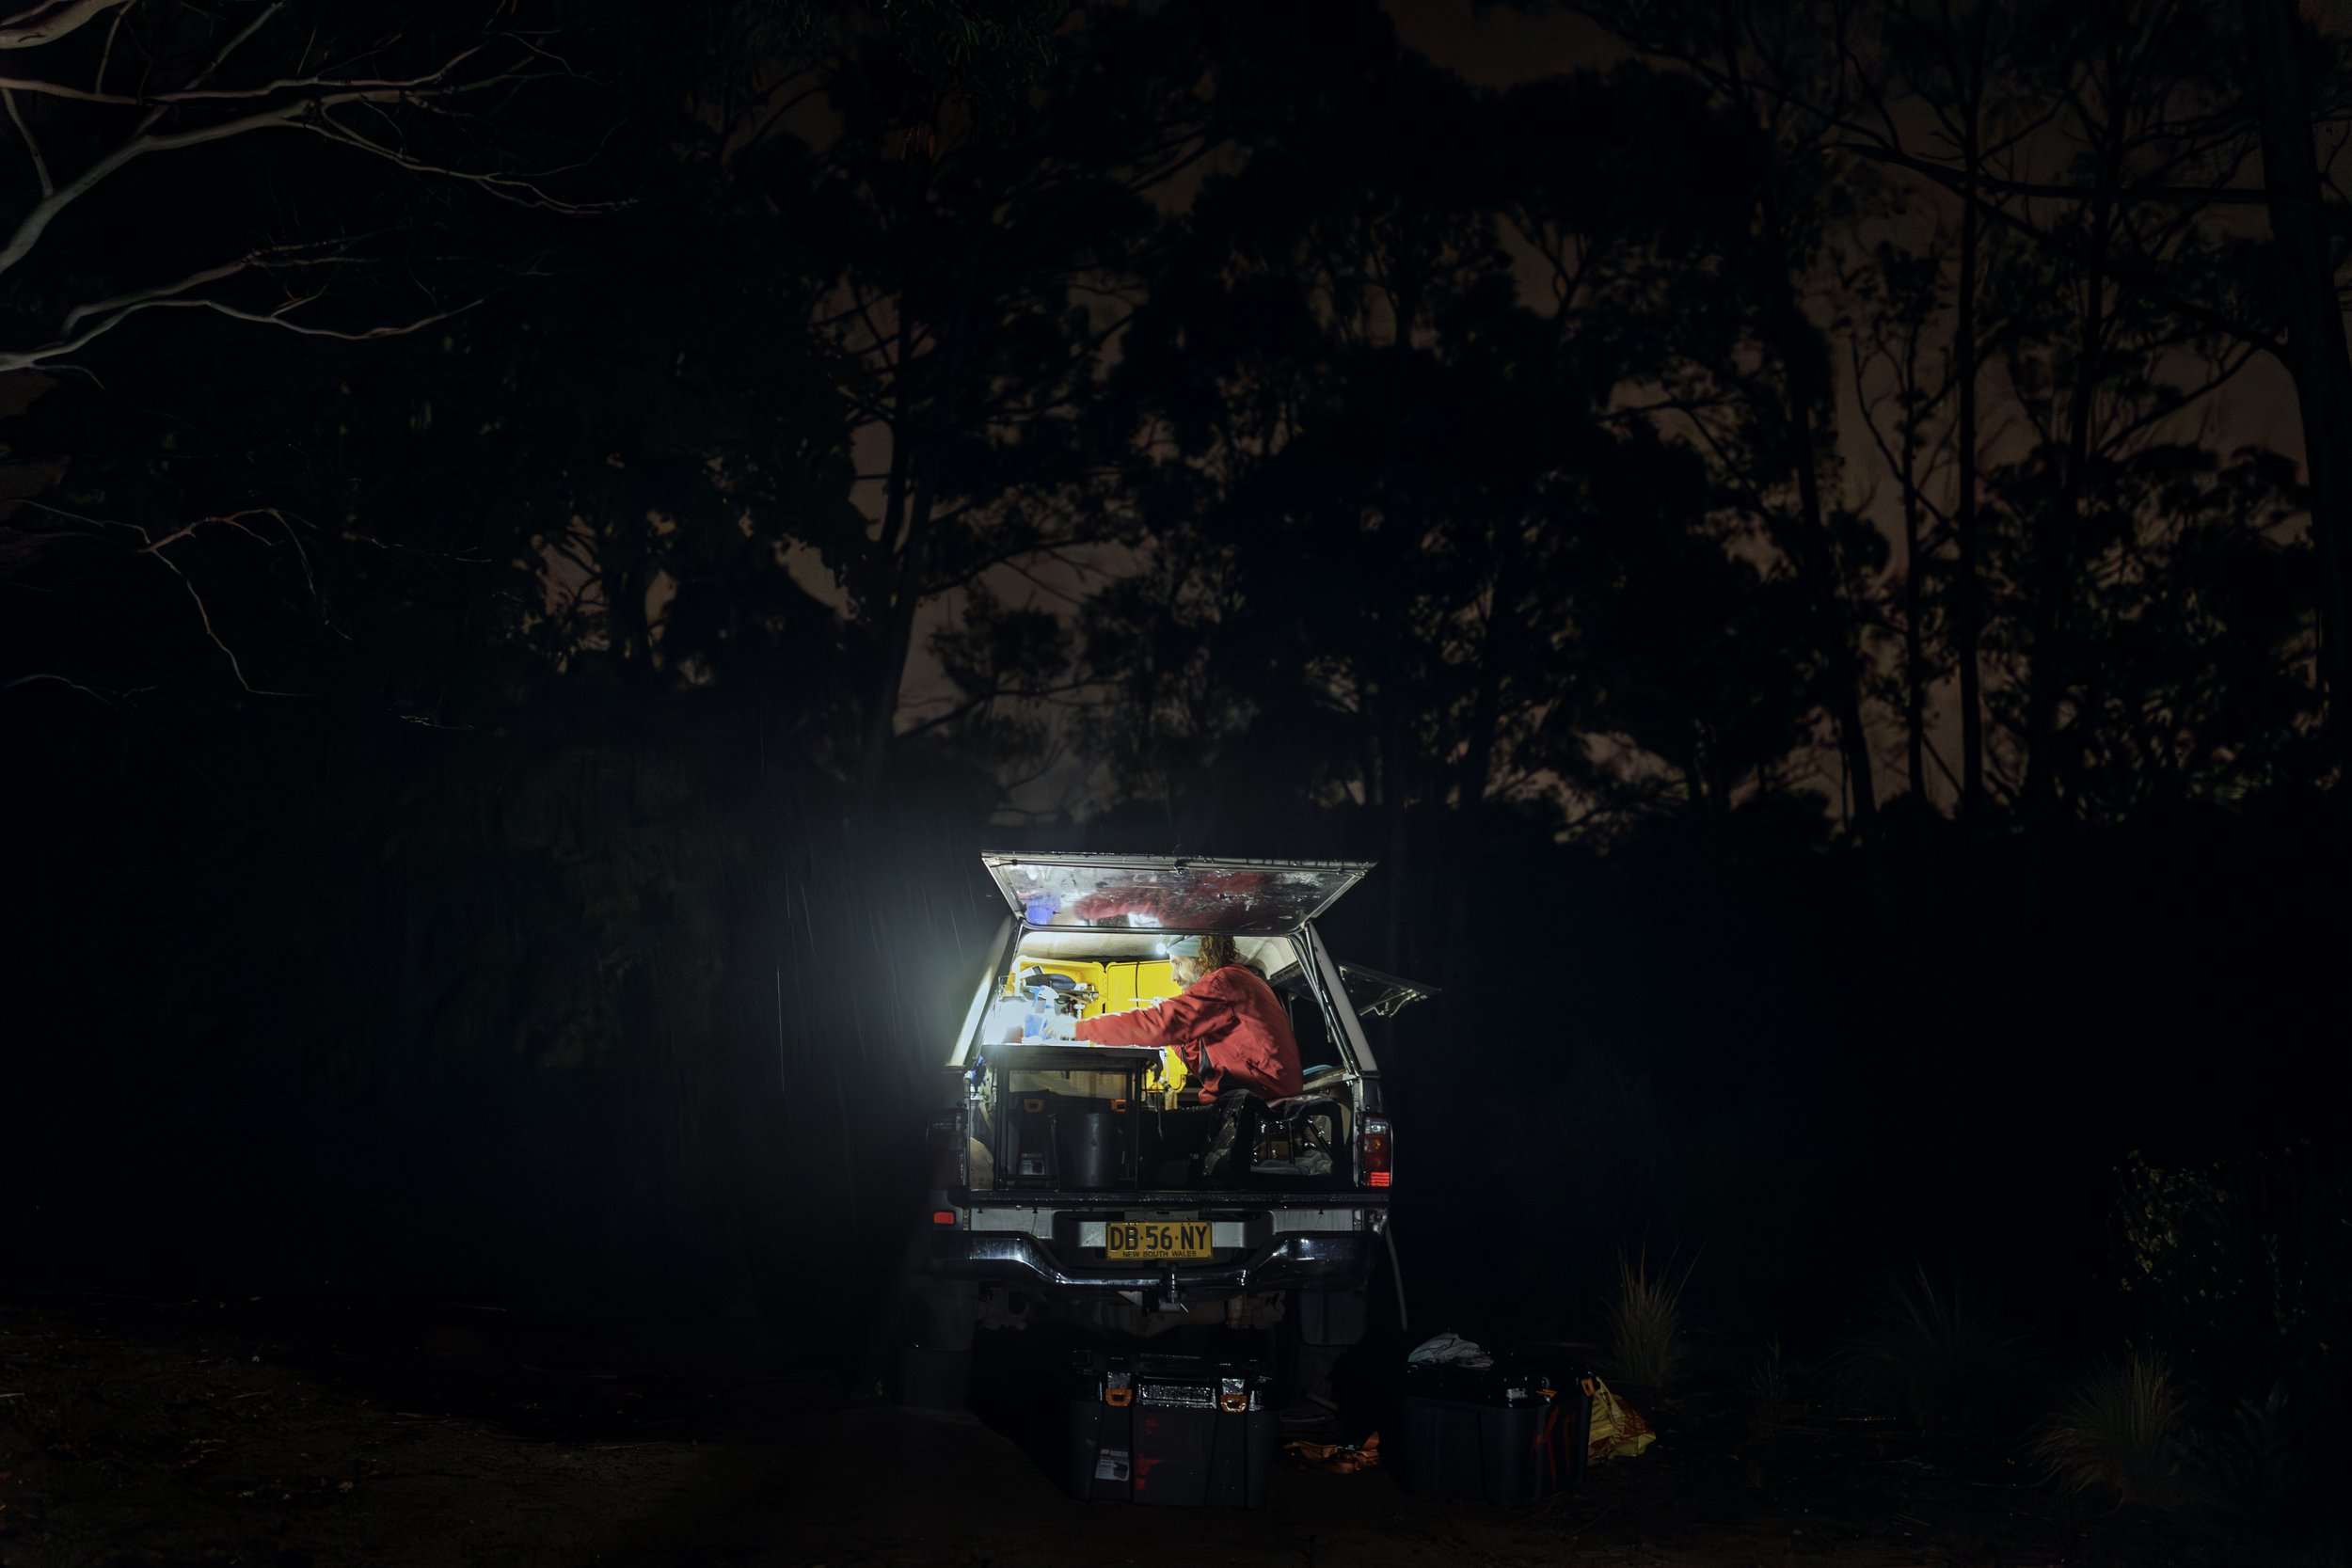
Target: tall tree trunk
<point x="1388" y="731"/>
<point x="1474" y="773"/>
<point x="1818" y="561"/>
<point x="1914" y="595"/>
<point x="2054" y="566"/>
<point x="2317" y="355"/>
<point x="1402" y="549"/>
<point x="1792" y="336"/>
<point x="1399" y="943"/>
<point x="1967" y="586"/>
<point x="897" y="639"/>
<point x="1496" y="649"/>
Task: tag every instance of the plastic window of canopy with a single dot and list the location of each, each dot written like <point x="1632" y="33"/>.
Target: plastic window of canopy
<point x="1071" y="892"/>
<point x="1379" y="996"/>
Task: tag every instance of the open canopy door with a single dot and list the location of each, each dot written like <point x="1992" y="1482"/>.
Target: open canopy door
<point x="1379" y="996"/>
<point x="1076" y="891"/>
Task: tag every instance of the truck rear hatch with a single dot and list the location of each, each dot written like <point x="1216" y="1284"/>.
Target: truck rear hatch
<point x="1241" y="897"/>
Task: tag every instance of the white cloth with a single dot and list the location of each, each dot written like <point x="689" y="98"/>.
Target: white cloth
<point x="1452" y="1349"/>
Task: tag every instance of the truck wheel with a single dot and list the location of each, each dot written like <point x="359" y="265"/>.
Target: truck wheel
<point x="1318" y="1329"/>
<point x="1330" y="1317"/>
<point x="1305" y="1370"/>
<point x="934" y="1367"/>
<point x="948" y="1313"/>
<point x="934" y="1379"/>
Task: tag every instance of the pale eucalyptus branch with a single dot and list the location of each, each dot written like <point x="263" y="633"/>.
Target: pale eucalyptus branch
<point x="105" y="56"/>
<point x="40" y="164"/>
<point x="49" y="22"/>
<point x="106" y="315"/>
<point x="204" y="614"/>
<point x="524" y="190"/>
<point x="124" y="303"/>
<point x="310" y="112"/>
<point x="152" y="545"/>
<point x="432" y="81"/>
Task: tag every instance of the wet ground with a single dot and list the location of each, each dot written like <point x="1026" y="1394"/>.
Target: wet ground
<point x="303" y="1433"/>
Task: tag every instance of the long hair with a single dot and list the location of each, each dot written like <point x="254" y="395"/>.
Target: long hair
<point x="1217" y="951"/>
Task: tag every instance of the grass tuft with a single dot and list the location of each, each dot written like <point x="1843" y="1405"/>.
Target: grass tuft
<point x="2119" y="1434"/>
<point x="2250" y="1472"/>
<point x="1948" y="1359"/>
<point x="1768" y="1386"/>
<point x="1646" y="1345"/>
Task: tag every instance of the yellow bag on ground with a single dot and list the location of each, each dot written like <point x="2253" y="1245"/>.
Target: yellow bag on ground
<point x="1617" y="1432"/>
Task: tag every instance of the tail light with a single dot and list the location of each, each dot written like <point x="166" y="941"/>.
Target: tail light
<point x="1372" y="1152"/>
<point x="947" y="1139"/>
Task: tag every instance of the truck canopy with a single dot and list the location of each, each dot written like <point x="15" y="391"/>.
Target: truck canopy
<point x="1379" y="996"/>
<point x="1242" y="897"/>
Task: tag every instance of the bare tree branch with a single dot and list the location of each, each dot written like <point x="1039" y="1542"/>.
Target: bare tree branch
<point x="133" y="301"/>
<point x="311" y="112"/>
<point x="521" y="189"/>
<point x="2214" y="196"/>
<point x="51" y="20"/>
<point x="40" y="164"/>
<point x="106" y="315"/>
<point x="105" y="56"/>
<point x="429" y="82"/>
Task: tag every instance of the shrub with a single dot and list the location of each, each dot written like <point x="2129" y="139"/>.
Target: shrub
<point x="2250" y="1470"/>
<point x="1645" y="1322"/>
<point x="1948" y="1359"/>
<point x="2241" y="1270"/>
<point x="2119" y="1432"/>
<point x="1768" y="1386"/>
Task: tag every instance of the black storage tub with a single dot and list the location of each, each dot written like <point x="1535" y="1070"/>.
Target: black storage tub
<point x="1068" y="1143"/>
<point x="1507" y="1433"/>
<point x="1180" y="1432"/>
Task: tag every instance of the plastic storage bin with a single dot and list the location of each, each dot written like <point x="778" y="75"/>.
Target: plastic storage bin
<point x="1025" y="1156"/>
<point x="1178" y="1432"/>
<point x="1094" y="1144"/>
<point x="1066" y="1142"/>
<point x="1507" y="1433"/>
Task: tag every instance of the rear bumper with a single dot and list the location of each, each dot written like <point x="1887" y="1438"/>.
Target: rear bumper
<point x="1287" y="1262"/>
<point x="1274" y="1245"/>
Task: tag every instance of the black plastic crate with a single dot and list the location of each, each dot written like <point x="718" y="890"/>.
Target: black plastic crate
<point x="1507" y="1433"/>
<point x="1025" y="1155"/>
<point x="1066" y="1142"/>
<point x="1095" y="1143"/>
<point x="1174" y="1431"/>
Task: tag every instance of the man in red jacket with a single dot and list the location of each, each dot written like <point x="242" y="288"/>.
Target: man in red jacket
<point x="1227" y="1023"/>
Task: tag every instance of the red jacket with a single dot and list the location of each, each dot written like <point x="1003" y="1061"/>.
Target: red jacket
<point x="1227" y="1025"/>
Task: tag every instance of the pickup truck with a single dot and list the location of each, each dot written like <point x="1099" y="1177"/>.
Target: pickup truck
<point x="1066" y="1179"/>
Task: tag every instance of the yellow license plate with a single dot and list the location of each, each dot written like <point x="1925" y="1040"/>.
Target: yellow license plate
<point x="1151" y="1239"/>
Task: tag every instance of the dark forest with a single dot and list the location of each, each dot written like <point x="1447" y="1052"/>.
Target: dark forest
<point x="539" y="543"/>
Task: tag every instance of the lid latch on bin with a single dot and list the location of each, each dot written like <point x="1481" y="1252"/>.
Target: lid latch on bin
<point x="1232" y="1396"/>
<point x="1118" y="1389"/>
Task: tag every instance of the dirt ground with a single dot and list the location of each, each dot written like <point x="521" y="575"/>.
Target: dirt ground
<point x="303" y="1433"/>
